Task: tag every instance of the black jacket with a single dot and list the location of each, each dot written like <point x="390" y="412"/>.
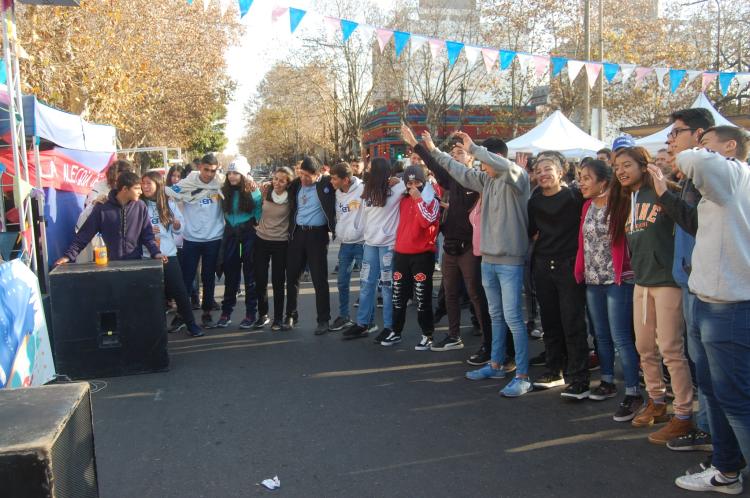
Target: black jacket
<point x="326" y="195"/>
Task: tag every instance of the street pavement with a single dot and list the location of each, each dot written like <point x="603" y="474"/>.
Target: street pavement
<point x="337" y="418"/>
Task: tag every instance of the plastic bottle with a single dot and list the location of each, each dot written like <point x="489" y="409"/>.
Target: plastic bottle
<point x="100" y="250"/>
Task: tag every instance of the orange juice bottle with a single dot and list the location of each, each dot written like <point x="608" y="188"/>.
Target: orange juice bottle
<point x="100" y="250"/>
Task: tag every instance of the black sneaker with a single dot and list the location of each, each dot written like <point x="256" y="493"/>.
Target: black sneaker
<point x="277" y="325"/>
<point x="288" y="323"/>
<point x="261" y="322"/>
<point x="207" y="322"/>
<point x="447" y="344"/>
<point x="322" y="328"/>
<point x="424" y="344"/>
<point x="340" y="323"/>
<point x="603" y="391"/>
<point x="354" y="331"/>
<point x="193" y="330"/>
<point x="695" y="440"/>
<point x="576" y="390"/>
<point x="549" y="380"/>
<point x="176" y="325"/>
<point x="393" y="338"/>
<point x="479" y="358"/>
<point x="539" y="360"/>
<point x="628" y="408"/>
<point x="383" y="335"/>
<point x="223" y="322"/>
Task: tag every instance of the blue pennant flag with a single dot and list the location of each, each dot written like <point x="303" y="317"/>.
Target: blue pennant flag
<point x="347" y="28"/>
<point x="244" y="6"/>
<point x="3" y="74"/>
<point x="558" y="63"/>
<point x="454" y="50"/>
<point x="725" y="79"/>
<point x="400" y="39"/>
<point x="611" y="70"/>
<point x="506" y="58"/>
<point x="190" y="2"/>
<point x="295" y="17"/>
<point x="675" y="78"/>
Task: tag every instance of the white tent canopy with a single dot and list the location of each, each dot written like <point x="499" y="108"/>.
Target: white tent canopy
<point x="658" y="140"/>
<point x="556" y="133"/>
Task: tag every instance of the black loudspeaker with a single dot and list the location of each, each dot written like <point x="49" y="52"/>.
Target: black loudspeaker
<point x="109" y="320"/>
<point x="47" y="442"/>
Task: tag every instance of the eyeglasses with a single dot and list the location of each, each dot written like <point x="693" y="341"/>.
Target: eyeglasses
<point x="677" y="131"/>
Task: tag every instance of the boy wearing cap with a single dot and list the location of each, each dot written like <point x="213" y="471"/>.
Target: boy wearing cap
<point x="621" y="142"/>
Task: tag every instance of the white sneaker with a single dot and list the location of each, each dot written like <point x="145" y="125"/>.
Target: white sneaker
<point x="711" y="480"/>
<point x="425" y="344"/>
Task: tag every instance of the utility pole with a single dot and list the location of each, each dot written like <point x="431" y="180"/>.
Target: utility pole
<point x="587" y="56"/>
<point x="601" y="73"/>
<point x="462" y="91"/>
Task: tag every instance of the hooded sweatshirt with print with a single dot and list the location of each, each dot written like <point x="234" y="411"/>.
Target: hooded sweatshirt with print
<point x="201" y="207"/>
<point x="166" y="238"/>
<point x="348" y="208"/>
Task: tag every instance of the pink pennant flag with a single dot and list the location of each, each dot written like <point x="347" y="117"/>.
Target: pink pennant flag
<point x="592" y="72"/>
<point x="642" y="72"/>
<point x="472" y="54"/>
<point x="435" y="47"/>
<point x="333" y="23"/>
<point x="490" y="58"/>
<point x="384" y="36"/>
<point x="541" y="65"/>
<point x="277" y="13"/>
<point x="708" y="78"/>
<point x="574" y="67"/>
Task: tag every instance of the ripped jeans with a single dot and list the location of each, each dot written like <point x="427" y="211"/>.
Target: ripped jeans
<point x="377" y="264"/>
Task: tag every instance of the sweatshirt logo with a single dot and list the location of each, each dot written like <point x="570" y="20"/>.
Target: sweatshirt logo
<point x="349" y="207"/>
<point x="646" y="214"/>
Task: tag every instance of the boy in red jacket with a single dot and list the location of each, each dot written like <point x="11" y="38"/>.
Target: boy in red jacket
<point x="414" y="258"/>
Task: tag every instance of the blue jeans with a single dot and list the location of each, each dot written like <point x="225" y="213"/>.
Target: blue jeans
<point x="611" y="311"/>
<point x="725" y="333"/>
<point x="503" y="285"/>
<point x="208" y="254"/>
<point x="348" y="255"/>
<point x="696" y="354"/>
<point x="377" y="265"/>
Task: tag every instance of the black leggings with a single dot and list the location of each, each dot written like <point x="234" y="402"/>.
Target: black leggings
<point x="275" y="253"/>
<point x="174" y="286"/>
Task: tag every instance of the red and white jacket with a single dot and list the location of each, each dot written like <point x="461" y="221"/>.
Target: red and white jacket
<point x="418" y="226"/>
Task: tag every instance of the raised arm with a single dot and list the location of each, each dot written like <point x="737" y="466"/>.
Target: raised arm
<point x="715" y="176"/>
<point x="468" y="177"/>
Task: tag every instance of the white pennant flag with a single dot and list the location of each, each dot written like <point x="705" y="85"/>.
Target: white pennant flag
<point x="333" y="24"/>
<point x="435" y="47"/>
<point x="691" y="75"/>
<point x="574" y="67"/>
<point x="592" y="72"/>
<point x="365" y="31"/>
<point x="417" y="42"/>
<point x="524" y="62"/>
<point x="224" y="6"/>
<point x="206" y="3"/>
<point x="625" y="71"/>
<point x="661" y="72"/>
<point x="472" y="54"/>
<point x="490" y="58"/>
<point x="743" y="79"/>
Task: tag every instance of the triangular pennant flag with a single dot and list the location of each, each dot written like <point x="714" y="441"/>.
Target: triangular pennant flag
<point x="725" y="79"/>
<point x="472" y="54"/>
<point x="691" y="75"/>
<point x="190" y="2"/>
<point x="574" y="67"/>
<point x="611" y="70"/>
<point x="592" y="72"/>
<point x="21" y="189"/>
<point x="541" y="64"/>
<point x="400" y="39"/>
<point x="743" y="80"/>
<point x="675" y="78"/>
<point x="506" y="58"/>
<point x="365" y="32"/>
<point x="435" y="47"/>
<point x="295" y="17"/>
<point x="660" y="73"/>
<point x="384" y="36"/>
<point x="223" y="6"/>
<point x="625" y="71"/>
<point x="206" y="3"/>
<point x="490" y="57"/>
<point x="417" y="42"/>
<point x="3" y="73"/>
<point x="642" y="72"/>
<point x="524" y="62"/>
<point x="347" y="28"/>
<point x="708" y="78"/>
<point x="244" y="6"/>
<point x="454" y="50"/>
<point x="277" y="12"/>
<point x="333" y="23"/>
<point x="558" y="63"/>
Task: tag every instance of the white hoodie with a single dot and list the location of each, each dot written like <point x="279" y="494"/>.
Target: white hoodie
<point x="166" y="238"/>
<point x="348" y="209"/>
<point x="380" y="223"/>
<point x="201" y="207"/>
<point x="721" y="258"/>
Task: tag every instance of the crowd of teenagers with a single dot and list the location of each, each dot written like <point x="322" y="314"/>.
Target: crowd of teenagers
<point x="649" y="256"/>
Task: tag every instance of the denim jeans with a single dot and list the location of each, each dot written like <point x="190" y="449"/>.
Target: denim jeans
<point x="206" y="253"/>
<point x="377" y="265"/>
<point x="348" y="255"/>
<point x="696" y="354"/>
<point x="611" y="310"/>
<point x="725" y="333"/>
<point x="503" y="285"/>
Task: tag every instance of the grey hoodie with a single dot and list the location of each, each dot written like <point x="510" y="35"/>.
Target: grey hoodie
<point x="505" y="218"/>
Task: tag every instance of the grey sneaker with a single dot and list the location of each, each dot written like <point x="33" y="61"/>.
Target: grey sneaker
<point x="340" y="323"/>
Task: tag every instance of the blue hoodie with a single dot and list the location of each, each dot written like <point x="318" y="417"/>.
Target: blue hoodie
<point x="683" y="210"/>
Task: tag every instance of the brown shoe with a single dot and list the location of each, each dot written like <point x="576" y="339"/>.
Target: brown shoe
<point x="674" y="429"/>
<point x="652" y="414"/>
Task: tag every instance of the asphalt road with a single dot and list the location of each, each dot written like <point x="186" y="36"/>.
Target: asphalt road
<point x="344" y="419"/>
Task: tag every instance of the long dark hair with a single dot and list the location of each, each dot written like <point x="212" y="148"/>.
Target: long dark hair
<point x="377" y="190"/>
<point x="247" y="205"/>
<point x="178" y="168"/>
<point x="166" y="216"/>
<point x="618" y="204"/>
<point x="116" y="168"/>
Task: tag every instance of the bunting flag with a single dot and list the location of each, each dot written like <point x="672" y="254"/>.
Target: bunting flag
<point x="417" y="42"/>
<point x="400" y="39"/>
<point x="206" y="3"/>
<point x="224" y="6"/>
<point x="347" y="28"/>
<point x="610" y="71"/>
<point x="708" y="78"/>
<point x="435" y="47"/>
<point x="641" y="73"/>
<point x="277" y="12"/>
<point x="454" y="50"/>
<point x="472" y="54"/>
<point x="490" y="58"/>
<point x="725" y="79"/>
<point x="558" y="63"/>
<point x="295" y="17"/>
<point x="592" y="72"/>
<point x="660" y="73"/>
<point x="743" y="80"/>
<point x="333" y="23"/>
<point x="691" y="75"/>
<point x="506" y="59"/>
<point x="384" y="36"/>
<point x="541" y="65"/>
<point x="675" y="78"/>
<point x="244" y="7"/>
<point x="524" y="62"/>
<point x="625" y="71"/>
<point x="574" y="67"/>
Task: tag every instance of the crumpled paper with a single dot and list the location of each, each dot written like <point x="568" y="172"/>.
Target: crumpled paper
<point x="272" y="483"/>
